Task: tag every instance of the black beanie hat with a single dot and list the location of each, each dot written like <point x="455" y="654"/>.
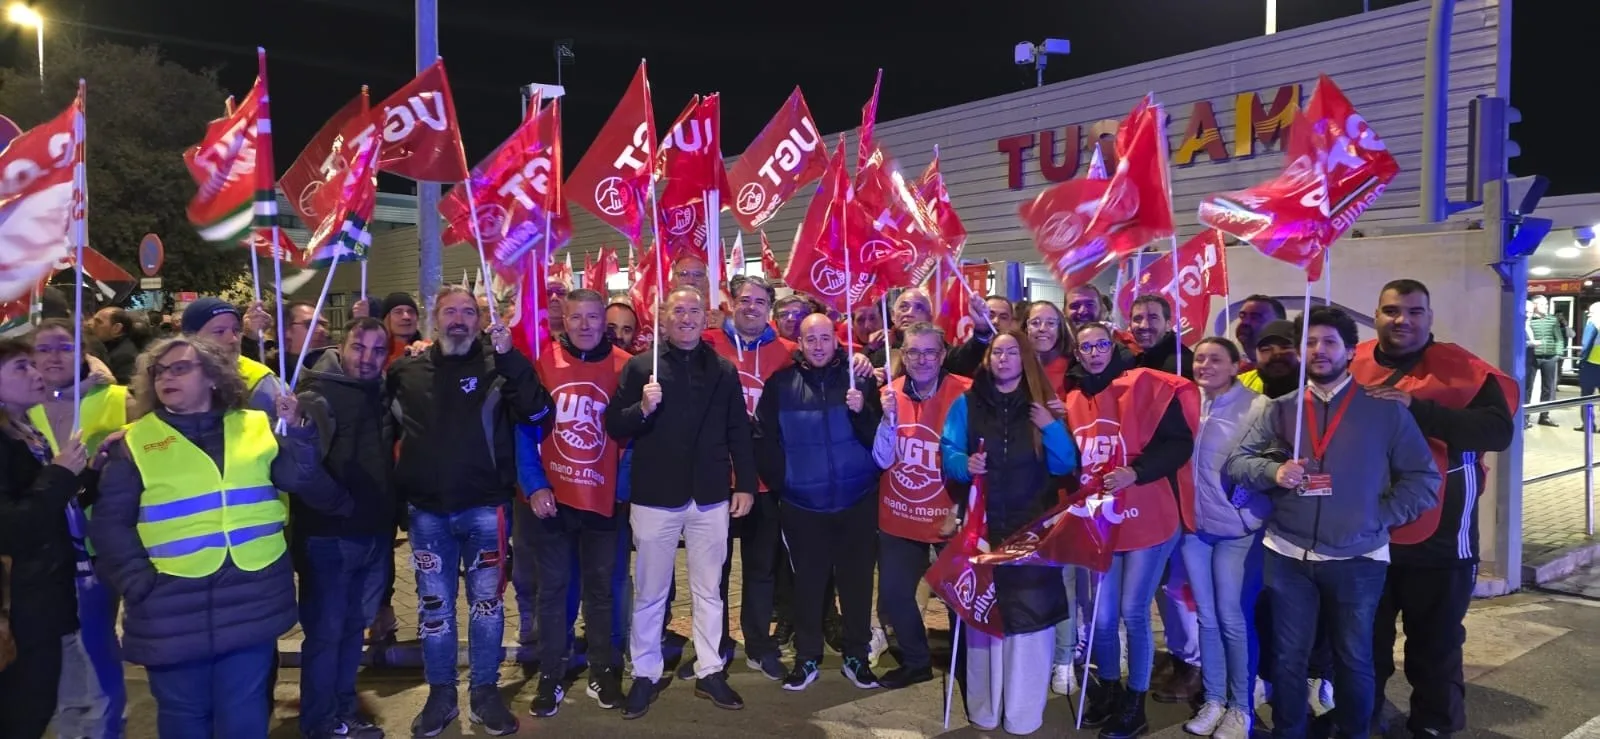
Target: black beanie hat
<point x="395" y="300"/>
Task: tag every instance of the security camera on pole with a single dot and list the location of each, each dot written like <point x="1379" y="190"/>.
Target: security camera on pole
<point x="1039" y="54"/>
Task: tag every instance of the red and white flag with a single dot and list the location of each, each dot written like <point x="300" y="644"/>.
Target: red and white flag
<point x="613" y="178"/>
<point x="769" y="261"/>
<point x="597" y="276"/>
<point x="322" y="158"/>
<point x="39" y="202"/>
<point x="930" y="190"/>
<point x="784" y="157"/>
<point x="417" y="130"/>
<point x="1335" y="167"/>
<point x="1202" y="275"/>
<point x="865" y="144"/>
<point x="517" y="189"/>
<point x="689" y="165"/>
<point x="968" y="587"/>
<point x="1082" y="226"/>
<point x="736" y="255"/>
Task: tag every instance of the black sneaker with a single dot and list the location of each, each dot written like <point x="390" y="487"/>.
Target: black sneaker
<point x="547" y="698"/>
<point x="349" y="728"/>
<point x="802" y="676"/>
<point x="859" y="673"/>
<point x="437" y="713"/>
<point x="716" y="688"/>
<point x="905" y="677"/>
<point x="605" y="687"/>
<point x="487" y="709"/>
<point x="770" y="666"/>
<point x="640" y="697"/>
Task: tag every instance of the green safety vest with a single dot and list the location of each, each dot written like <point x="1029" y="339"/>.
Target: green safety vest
<point x="192" y="517"/>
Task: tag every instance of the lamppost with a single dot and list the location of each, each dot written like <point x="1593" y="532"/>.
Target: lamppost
<point x="27" y="17"/>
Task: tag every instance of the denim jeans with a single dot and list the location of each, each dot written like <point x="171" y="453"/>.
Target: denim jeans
<point x="92" y="696"/>
<point x="222" y="695"/>
<point x="1344" y="595"/>
<point x="440" y="544"/>
<point x="341" y="586"/>
<point x="1225" y="574"/>
<point x="901" y="565"/>
<point x="1066" y="641"/>
<point x="1126" y="593"/>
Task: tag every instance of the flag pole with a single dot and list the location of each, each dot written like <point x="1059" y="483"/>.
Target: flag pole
<point x="365" y="106"/>
<point x="950" y="677"/>
<point x="1300" y="407"/>
<point x="1094" y="615"/>
<point x="483" y="261"/>
<point x="80" y="236"/>
<point x="888" y="336"/>
<point x="967" y="287"/>
<point x="266" y="184"/>
<point x="1177" y="311"/>
<point x="316" y="312"/>
<point x="661" y="278"/>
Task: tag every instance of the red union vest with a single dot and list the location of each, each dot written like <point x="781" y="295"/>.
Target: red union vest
<point x="1450" y="376"/>
<point x="912" y="503"/>
<point x="755" y="367"/>
<point x="1112" y="429"/>
<point x="578" y="455"/>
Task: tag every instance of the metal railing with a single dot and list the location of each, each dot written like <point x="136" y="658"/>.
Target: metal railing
<point x="1587" y="402"/>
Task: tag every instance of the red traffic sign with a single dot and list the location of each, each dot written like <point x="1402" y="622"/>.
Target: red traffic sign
<point x="152" y="254"/>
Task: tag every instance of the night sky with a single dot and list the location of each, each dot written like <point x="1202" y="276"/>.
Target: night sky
<point x="754" y="53"/>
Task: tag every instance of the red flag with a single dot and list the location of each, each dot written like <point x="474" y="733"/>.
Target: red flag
<point x="260" y="241"/>
<point x="1082" y="226"/>
<point x="643" y="295"/>
<point x="596" y="276"/>
<point x="690" y="163"/>
<point x="903" y="244"/>
<point x="869" y="119"/>
<point x="930" y="190"/>
<point x="1335" y="167"/>
<point x="1077" y="532"/>
<point x="513" y="188"/>
<point x="321" y="158"/>
<point x="967" y="587"/>
<point x="769" y="261"/>
<point x="952" y="315"/>
<point x="612" y="179"/>
<point x="817" y="264"/>
<point x="420" y="137"/>
<point x="38" y="199"/>
<point x="528" y="333"/>
<point x="1203" y="274"/>
<point x="785" y="156"/>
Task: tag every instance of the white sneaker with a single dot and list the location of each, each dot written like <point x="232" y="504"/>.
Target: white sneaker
<point x="1321" y="695"/>
<point x="878" y="645"/>
<point x="1263" y="692"/>
<point x="1205" y="721"/>
<point x="1063" y="680"/>
<point x="1235" y="724"/>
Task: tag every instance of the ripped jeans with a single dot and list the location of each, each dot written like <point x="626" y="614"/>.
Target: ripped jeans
<point x="441" y="545"/>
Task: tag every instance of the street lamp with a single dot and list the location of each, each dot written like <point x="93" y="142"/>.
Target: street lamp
<point x="27" y="17"/>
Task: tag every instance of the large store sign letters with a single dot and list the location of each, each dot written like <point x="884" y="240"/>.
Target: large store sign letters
<point x="1262" y="125"/>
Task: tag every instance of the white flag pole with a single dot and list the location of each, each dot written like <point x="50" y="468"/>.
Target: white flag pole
<point x="80" y="237"/>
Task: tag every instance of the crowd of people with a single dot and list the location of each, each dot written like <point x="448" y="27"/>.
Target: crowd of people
<point x="1279" y="534"/>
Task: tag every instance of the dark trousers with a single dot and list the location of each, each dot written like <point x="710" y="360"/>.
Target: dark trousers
<point x="842" y="544"/>
<point x="901" y="565"/>
<point x="1549" y="369"/>
<point x="1319" y="665"/>
<point x="341" y="586"/>
<point x="591" y="540"/>
<point x="1343" y="595"/>
<point x="760" y="552"/>
<point x="222" y="695"/>
<point x="622" y="581"/>
<point x="525" y="578"/>
<point x="1431" y="601"/>
<point x="28" y="689"/>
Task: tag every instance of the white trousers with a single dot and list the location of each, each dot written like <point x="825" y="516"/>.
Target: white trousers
<point x="656" y="531"/>
<point x="1008" y="678"/>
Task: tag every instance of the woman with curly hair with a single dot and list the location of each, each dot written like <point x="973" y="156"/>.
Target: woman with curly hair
<point x="189" y="528"/>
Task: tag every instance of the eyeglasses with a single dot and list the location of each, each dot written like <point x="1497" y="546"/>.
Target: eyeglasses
<point x="1048" y="324"/>
<point x="1095" y="347"/>
<point x="690" y="274"/>
<point x="921" y="355"/>
<point x="1006" y="354"/>
<point x="179" y="368"/>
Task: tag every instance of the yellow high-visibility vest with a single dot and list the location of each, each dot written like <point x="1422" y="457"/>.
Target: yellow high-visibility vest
<point x="253" y="372"/>
<point x="193" y="517"/>
<point x="103" y="410"/>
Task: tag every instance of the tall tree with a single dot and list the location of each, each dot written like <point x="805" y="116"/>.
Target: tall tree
<point x="142" y="112"/>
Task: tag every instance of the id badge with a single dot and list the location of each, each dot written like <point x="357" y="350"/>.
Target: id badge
<point x="1317" y="485"/>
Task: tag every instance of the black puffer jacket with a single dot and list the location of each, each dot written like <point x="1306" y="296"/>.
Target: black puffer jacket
<point x="357" y="433"/>
<point x="1019" y="488"/>
<point x="34" y="534"/>
<point x="176" y="619"/>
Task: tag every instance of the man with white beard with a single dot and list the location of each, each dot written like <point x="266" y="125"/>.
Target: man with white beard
<point x="456" y="406"/>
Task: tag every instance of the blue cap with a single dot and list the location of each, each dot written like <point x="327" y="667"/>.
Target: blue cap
<point x="201" y="311"/>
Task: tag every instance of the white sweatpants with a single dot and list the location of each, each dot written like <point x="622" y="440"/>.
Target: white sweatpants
<point x="655" y="533"/>
<point x="1008" y="677"/>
